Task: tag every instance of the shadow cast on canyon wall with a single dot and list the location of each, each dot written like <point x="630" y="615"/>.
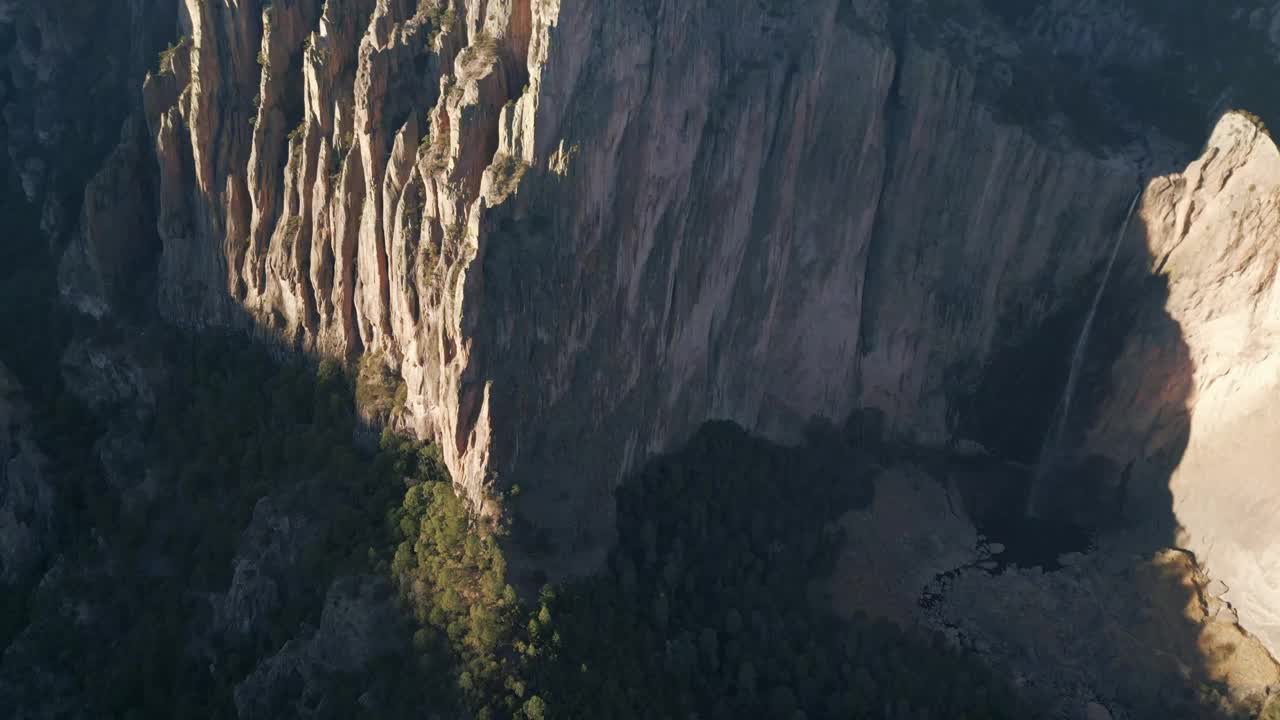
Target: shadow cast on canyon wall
<point x="1129" y="619"/>
<point x="1125" y="629"/>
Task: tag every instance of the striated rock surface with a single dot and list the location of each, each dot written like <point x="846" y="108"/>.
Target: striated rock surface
<point x="579" y="229"/>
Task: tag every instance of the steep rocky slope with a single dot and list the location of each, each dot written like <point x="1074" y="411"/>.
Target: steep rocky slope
<point x="1189" y="407"/>
<point x="26" y="491"/>
<point x="70" y="74"/>
<point x="562" y="220"/>
<point x="1170" y="453"/>
<point x="577" y="229"/>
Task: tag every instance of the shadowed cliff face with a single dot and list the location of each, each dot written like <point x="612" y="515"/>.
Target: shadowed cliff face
<point x="1211" y="232"/>
<point x="1163" y="465"/>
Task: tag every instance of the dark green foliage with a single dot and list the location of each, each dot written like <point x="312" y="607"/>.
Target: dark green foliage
<point x="1214" y="55"/>
<point x="705" y="609"/>
<point x="233" y="426"/>
<point x="168" y="54"/>
<point x="485" y="46"/>
<point x="439" y="13"/>
<point x="380" y="391"/>
<point x="507" y="173"/>
<point x="452" y="573"/>
<point x="1216" y="50"/>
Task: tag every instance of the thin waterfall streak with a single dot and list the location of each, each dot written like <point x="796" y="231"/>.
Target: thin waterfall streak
<point x="1053" y="439"/>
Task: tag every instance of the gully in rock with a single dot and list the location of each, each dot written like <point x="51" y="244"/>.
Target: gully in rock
<point x="1052" y="447"/>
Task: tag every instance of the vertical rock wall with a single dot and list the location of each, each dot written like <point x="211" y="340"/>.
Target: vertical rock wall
<point x="581" y="229"/>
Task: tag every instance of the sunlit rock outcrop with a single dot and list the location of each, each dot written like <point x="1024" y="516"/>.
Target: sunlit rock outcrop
<point x="1205" y="441"/>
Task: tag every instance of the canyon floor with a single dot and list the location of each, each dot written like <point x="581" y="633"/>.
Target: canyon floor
<point x="1123" y="628"/>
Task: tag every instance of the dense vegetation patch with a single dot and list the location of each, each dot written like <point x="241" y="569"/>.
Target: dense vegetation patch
<point x="704" y="609"/>
<point x="134" y="615"/>
<point x="706" y="612"/>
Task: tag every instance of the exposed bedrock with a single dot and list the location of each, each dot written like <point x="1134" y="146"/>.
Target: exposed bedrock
<point x="578" y="229"/>
<point x="1186" y="416"/>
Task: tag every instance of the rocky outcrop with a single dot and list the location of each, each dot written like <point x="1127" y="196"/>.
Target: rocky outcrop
<point x="342" y="199"/>
<point x="359" y="625"/>
<point x="1142" y="631"/>
<point x="1189" y="408"/>
<point x="26" y="489"/>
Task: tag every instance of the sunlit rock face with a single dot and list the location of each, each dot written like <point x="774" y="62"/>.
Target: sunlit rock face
<point x="576" y="249"/>
<point x="1189" y="407"/>
<point x="577" y="230"/>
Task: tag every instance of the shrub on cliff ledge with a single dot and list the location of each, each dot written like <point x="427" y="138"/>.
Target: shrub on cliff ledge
<point x="1257" y="121"/>
<point x="168" y="54"/>
<point x="507" y="170"/>
<point x="438" y="14"/>
<point x="380" y="391"/>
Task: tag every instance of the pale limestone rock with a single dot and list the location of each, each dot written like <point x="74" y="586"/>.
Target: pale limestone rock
<point x="1197" y="415"/>
<point x="576" y="249"/>
<point x="624" y="222"/>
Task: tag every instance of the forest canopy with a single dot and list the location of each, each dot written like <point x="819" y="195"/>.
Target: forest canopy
<point x="703" y="609"/>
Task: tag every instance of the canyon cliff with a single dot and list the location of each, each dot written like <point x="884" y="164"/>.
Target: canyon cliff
<point x="578" y="229"/>
<point x="26" y="495"/>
